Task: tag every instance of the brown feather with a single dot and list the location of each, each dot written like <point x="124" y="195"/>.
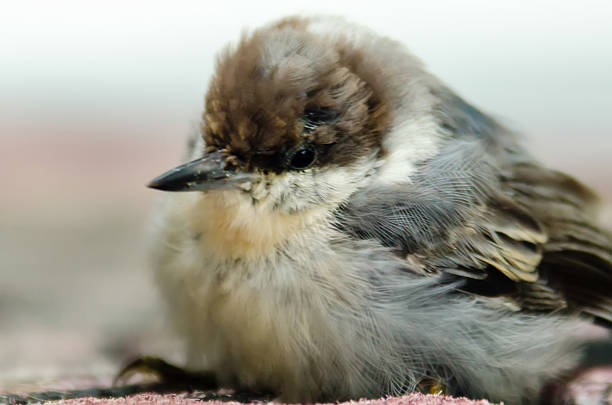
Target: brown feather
<point x="262" y="88"/>
<point x="577" y="259"/>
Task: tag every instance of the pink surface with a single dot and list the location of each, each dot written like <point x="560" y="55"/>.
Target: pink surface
<point x="590" y="387"/>
<point x="172" y="399"/>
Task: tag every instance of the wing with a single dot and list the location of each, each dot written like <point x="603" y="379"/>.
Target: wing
<point x="484" y="212"/>
<point x="577" y="257"/>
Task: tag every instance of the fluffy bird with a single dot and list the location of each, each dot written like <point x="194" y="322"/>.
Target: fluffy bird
<point x="356" y="229"/>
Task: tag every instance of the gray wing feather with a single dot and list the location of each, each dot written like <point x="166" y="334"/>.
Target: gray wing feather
<point x="482" y="210"/>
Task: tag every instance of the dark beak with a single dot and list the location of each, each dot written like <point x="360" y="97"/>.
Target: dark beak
<point x="201" y="174"/>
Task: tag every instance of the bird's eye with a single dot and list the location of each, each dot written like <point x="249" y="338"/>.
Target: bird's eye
<point x="301" y="157"/>
<point x="315" y="116"/>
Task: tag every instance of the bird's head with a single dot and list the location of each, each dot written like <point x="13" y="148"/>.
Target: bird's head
<point x="293" y="120"/>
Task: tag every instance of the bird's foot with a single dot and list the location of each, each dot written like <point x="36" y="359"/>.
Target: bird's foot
<point x="199" y="385"/>
<point x="432" y="386"/>
<point x="167" y="374"/>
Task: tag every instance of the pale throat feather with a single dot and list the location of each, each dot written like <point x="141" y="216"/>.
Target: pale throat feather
<point x="229" y="226"/>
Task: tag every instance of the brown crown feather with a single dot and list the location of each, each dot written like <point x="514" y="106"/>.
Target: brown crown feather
<point x="257" y="98"/>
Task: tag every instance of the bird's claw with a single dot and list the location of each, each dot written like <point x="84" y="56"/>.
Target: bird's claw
<point x="432" y="386"/>
<point x="166" y="373"/>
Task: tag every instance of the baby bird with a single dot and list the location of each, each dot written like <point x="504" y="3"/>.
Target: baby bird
<point x="353" y="228"/>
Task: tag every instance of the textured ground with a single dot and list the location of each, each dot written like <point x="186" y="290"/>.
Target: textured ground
<point x="181" y="399"/>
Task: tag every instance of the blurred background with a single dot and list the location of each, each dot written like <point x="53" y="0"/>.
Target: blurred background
<point x="96" y="99"/>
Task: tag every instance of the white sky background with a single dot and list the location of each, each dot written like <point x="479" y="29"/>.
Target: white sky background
<point x="544" y="67"/>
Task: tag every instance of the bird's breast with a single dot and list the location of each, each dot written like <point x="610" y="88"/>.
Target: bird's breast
<point x="253" y="298"/>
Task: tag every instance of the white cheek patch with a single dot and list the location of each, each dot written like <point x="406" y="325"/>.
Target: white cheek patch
<point x="326" y="187"/>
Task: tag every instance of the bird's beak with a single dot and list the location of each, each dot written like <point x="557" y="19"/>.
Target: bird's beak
<point x="205" y="173"/>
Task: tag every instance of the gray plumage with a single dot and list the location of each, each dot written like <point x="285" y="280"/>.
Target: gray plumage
<point x="421" y="244"/>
